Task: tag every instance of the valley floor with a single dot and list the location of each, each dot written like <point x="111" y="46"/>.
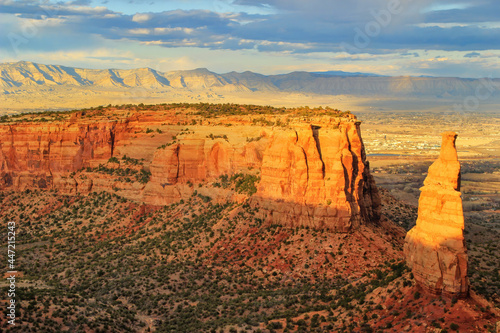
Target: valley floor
<point x="100" y="263"/>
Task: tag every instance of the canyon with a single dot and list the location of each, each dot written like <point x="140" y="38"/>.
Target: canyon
<point x="242" y="200"/>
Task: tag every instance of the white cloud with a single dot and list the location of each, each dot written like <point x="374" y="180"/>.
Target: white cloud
<point x="140" y="18"/>
<point x="140" y="31"/>
<point x="291" y="33"/>
<point x="176" y="29"/>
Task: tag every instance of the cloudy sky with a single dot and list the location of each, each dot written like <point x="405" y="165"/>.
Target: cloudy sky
<point x="389" y="37"/>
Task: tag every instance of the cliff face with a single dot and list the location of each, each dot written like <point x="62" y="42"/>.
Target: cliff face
<point x="435" y="247"/>
<point x="311" y="173"/>
<point x="196" y="160"/>
<point x="317" y="176"/>
<point x="39" y="156"/>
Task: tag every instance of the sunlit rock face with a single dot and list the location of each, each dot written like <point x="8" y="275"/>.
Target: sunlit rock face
<point x="312" y="172"/>
<point x="435" y="248"/>
<point x="317" y="176"/>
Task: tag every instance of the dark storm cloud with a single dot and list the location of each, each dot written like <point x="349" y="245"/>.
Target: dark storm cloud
<point x="472" y="55"/>
<point x="474" y="12"/>
<point x="79" y="3"/>
<point x="36" y="9"/>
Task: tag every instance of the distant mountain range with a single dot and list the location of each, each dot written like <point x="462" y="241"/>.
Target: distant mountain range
<point x="342" y="73"/>
<point x="24" y="75"/>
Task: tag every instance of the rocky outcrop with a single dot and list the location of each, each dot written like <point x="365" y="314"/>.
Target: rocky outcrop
<point x="435" y="248"/>
<point x="39" y="156"/>
<point x="198" y="160"/>
<point x="316" y="176"/>
<point x="312" y="173"/>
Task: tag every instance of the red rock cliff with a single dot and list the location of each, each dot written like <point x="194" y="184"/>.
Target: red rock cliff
<point x="435" y="248"/>
<point x="312" y="173"/>
<point x="37" y="156"/>
<point x="316" y="175"/>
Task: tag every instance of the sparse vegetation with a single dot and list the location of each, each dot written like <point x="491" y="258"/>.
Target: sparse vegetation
<point x="186" y="267"/>
<point x="241" y="183"/>
<point x="481" y="223"/>
<point x="102" y="263"/>
<point x="128" y="173"/>
<point x="213" y="137"/>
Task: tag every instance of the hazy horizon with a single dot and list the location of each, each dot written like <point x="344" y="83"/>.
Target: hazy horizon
<point x="396" y="38"/>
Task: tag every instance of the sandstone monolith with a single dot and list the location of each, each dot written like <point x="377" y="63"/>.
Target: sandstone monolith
<point x="435" y="248"/>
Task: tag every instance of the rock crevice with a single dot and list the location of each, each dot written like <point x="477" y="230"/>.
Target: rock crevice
<point x="317" y="179"/>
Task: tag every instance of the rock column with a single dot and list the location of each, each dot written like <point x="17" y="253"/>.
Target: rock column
<point x="435" y="248"/>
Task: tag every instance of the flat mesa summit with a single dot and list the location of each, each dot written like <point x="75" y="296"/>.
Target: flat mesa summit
<point x="435" y="248"/>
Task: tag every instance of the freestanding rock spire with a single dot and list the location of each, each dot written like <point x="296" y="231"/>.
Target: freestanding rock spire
<point x="435" y="248"/>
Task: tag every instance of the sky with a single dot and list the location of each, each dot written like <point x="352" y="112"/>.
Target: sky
<point x="458" y="38"/>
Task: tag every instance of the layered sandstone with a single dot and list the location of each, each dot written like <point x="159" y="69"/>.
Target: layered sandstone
<point x="312" y="173"/>
<point x="435" y="248"/>
<point x="40" y="156"/>
<point x="198" y="160"/>
<point x="316" y="175"/>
